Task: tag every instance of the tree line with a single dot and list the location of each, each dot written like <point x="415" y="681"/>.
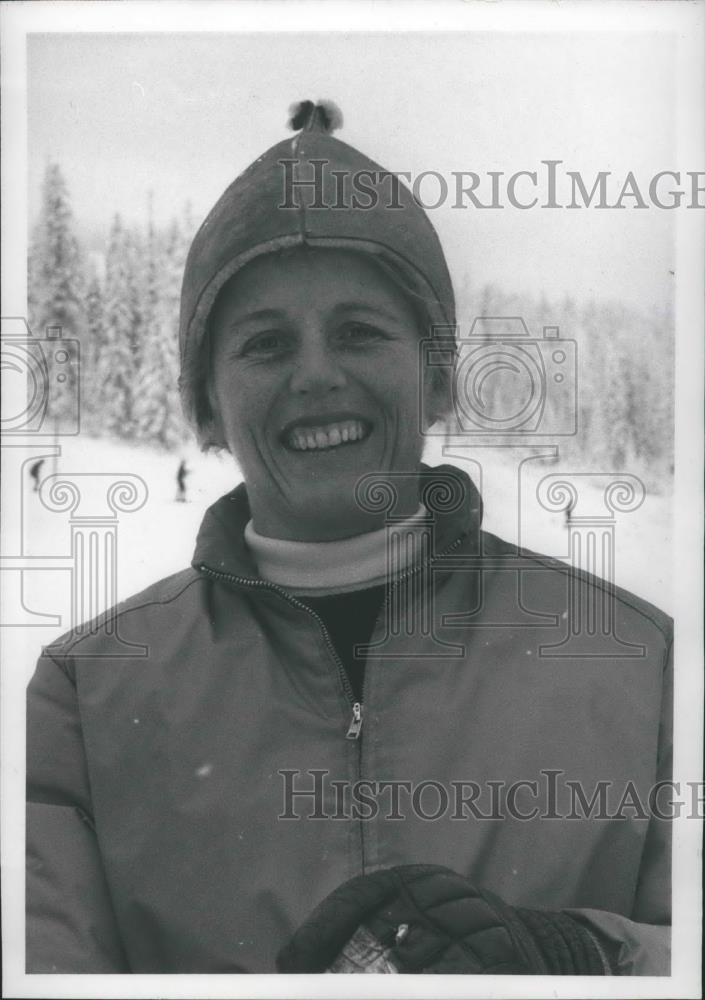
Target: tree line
<point x="124" y="315"/>
<point x="619" y="395"/>
<point x="123" y="309"/>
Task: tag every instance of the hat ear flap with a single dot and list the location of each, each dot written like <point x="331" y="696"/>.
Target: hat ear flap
<point x="211" y="436"/>
<point x="437" y="403"/>
<point x="211" y="433"/>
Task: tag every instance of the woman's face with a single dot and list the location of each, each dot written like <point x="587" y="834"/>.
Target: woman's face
<point x="314" y="383"/>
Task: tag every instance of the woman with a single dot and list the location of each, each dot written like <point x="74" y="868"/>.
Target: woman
<point x="342" y="633"/>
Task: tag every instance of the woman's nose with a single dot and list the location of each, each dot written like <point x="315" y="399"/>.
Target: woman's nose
<point x="317" y="368"/>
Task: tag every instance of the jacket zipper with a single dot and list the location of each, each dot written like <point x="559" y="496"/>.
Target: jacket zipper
<point x="355" y="727"/>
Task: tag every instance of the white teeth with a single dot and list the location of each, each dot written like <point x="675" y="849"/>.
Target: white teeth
<point x="330" y="436"/>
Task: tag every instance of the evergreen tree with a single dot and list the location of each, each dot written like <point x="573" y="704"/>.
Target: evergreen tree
<point x="93" y="350"/>
<point x="137" y="254"/>
<point x="158" y="409"/>
<point x="56" y="292"/>
<point x="35" y="290"/>
<point x="117" y="365"/>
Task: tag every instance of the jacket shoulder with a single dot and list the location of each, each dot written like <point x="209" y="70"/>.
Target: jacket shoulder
<point x="158" y="595"/>
<point x="630" y="603"/>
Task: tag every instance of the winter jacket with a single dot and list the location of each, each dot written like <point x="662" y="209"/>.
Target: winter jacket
<point x="164" y="737"/>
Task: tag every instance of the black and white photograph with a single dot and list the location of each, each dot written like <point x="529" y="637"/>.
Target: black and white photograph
<point x="352" y="503"/>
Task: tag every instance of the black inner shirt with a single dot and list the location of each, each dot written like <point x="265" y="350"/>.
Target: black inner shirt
<point x="349" y="620"/>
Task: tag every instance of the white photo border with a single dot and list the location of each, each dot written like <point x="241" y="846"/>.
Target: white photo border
<point x="686" y="22"/>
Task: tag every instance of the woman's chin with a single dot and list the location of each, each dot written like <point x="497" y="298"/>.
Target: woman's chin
<point x="327" y="477"/>
<point x="322" y="515"/>
<point x="332" y="509"/>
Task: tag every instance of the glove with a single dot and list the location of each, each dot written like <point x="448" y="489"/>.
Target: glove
<point x="428" y="919"/>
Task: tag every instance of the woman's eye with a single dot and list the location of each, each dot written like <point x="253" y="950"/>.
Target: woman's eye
<point x="360" y="333"/>
<point x="270" y="342"/>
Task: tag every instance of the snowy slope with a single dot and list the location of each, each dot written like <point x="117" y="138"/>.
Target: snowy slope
<point x="158" y="539"/>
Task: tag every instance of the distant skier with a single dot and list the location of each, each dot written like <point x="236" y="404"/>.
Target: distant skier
<point x="34" y="473"/>
<point x="181" y="481"/>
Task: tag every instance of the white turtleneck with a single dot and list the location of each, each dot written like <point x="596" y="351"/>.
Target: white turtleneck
<point x="337" y="567"/>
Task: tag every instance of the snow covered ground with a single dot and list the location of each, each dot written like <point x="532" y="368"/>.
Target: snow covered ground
<point x="158" y="539"/>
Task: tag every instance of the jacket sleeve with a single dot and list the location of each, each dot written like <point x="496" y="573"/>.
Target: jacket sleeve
<point x="641" y="946"/>
<point x="70" y="924"/>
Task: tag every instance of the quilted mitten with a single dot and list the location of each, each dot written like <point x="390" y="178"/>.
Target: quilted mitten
<point x="428" y="919"/>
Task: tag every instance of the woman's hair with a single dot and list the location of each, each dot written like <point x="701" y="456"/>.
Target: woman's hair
<point x="196" y="370"/>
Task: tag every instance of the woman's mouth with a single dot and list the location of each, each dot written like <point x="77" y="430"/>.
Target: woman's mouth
<point x="324" y="436"/>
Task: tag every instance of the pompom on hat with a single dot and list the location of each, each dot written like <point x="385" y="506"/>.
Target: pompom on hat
<point x="310" y="190"/>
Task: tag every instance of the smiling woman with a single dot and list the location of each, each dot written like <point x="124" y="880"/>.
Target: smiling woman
<point x="345" y="627"/>
<point x="314" y="381"/>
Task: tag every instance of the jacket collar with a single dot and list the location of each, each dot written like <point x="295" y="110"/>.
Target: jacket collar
<point x="447" y="492"/>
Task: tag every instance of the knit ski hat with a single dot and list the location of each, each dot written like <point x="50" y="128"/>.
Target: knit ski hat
<point x="310" y="190"/>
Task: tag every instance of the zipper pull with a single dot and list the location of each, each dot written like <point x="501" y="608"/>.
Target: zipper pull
<point x="353" y="732"/>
